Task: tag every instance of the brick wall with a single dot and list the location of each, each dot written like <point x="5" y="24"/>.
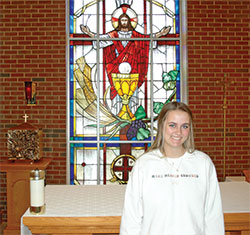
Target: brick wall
<point x="32" y="48"/>
<point x="218" y="50"/>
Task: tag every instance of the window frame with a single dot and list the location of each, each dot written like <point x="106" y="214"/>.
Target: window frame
<point x="183" y="74"/>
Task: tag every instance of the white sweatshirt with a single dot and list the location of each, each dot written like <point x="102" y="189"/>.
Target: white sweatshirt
<point x="173" y="196"/>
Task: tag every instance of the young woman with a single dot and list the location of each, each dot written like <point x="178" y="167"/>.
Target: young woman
<point x="173" y="188"/>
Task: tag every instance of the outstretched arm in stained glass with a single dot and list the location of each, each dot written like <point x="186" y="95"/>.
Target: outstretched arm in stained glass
<point x="86" y="30"/>
<point x="164" y="31"/>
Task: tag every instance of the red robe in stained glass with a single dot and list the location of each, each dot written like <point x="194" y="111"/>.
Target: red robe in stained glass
<point x="135" y="53"/>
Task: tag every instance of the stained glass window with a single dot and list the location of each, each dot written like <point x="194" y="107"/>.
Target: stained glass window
<point x="126" y="59"/>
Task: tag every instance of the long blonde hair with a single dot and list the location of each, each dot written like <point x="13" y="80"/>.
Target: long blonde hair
<point x="159" y="139"/>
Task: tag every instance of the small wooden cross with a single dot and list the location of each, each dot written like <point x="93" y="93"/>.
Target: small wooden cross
<point x="25" y="117"/>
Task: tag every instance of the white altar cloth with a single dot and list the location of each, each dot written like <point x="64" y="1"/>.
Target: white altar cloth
<point x="81" y="200"/>
<point x="235" y="197"/>
<point x="107" y="200"/>
<point x="87" y="200"/>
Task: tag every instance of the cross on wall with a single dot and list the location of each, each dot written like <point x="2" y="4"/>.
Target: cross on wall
<point x="25" y="117"/>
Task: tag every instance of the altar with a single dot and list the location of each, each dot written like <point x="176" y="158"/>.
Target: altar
<point x="98" y="209"/>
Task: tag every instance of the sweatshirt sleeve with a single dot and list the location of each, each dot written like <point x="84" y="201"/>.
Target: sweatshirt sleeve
<point x="214" y="219"/>
<point x="133" y="210"/>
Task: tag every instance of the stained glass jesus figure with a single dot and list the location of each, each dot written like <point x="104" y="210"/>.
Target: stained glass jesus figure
<point x="133" y="52"/>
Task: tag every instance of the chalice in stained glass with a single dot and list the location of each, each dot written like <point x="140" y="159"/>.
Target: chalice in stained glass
<point x="125" y="84"/>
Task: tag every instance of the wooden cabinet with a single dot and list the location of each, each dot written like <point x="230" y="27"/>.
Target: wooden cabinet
<point x="18" y="189"/>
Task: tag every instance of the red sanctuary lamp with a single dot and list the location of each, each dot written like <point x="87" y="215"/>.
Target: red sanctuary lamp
<point x="30" y="93"/>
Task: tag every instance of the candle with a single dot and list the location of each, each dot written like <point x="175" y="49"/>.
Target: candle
<point x="37" y="192"/>
<point x="37" y="196"/>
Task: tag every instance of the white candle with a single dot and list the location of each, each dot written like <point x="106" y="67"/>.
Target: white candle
<point x="37" y="193"/>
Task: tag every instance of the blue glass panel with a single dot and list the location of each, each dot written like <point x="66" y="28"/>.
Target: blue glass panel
<point x="71" y="55"/>
<point x="71" y="90"/>
<point x="177" y="17"/>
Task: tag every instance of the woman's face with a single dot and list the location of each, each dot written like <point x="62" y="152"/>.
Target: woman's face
<point x="176" y="129"/>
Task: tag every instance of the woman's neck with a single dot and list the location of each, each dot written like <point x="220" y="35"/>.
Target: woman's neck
<point x="174" y="153"/>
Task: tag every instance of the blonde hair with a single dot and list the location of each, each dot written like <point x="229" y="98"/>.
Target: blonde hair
<point x="159" y="139"/>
